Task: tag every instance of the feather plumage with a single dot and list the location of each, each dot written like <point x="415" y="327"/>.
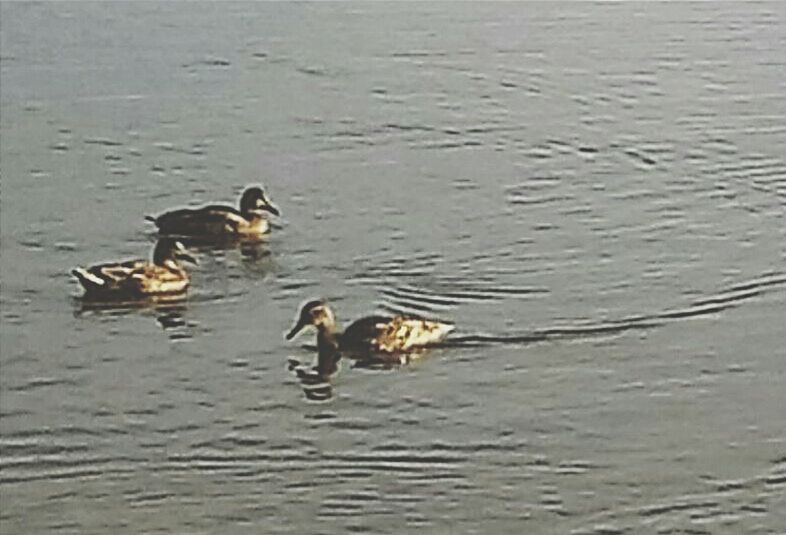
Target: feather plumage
<point x="138" y="278"/>
<point x="218" y="220"/>
<point x="369" y="335"/>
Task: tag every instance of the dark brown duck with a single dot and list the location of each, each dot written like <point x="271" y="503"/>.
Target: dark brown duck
<point x="218" y="220"/>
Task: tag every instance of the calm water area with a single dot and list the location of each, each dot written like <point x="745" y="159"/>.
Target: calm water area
<point x="594" y="193"/>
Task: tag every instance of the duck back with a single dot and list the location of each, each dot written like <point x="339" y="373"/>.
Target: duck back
<point x="109" y="277"/>
<point x="361" y="334"/>
<point x="405" y="334"/>
<point x="215" y="220"/>
<point x="391" y="335"/>
<point x="157" y="280"/>
<point x="131" y="279"/>
<point x="210" y="220"/>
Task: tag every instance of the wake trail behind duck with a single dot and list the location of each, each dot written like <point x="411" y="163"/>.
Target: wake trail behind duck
<point x="723" y="300"/>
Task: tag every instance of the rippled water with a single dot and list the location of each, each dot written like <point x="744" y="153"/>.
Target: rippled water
<point x="594" y="194"/>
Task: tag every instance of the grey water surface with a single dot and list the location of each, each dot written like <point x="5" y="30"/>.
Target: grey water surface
<point x="595" y="194"/>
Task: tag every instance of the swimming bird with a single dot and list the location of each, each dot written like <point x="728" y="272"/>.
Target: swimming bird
<point x="219" y="220"/>
<point x="133" y="279"/>
<point x="369" y="336"/>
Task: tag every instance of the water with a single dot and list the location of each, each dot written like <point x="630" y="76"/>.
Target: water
<point x="594" y="194"/>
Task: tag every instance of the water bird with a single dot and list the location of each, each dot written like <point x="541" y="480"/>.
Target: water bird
<point x="134" y="279"/>
<point x="369" y="336"/>
<point x="219" y="220"/>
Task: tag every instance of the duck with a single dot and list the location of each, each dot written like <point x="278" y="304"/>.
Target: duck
<point x="371" y="336"/>
<point x="220" y="220"/>
<point x="133" y="279"/>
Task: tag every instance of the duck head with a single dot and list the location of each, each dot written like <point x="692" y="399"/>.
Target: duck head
<point x="314" y="313"/>
<point x="254" y="202"/>
<point x="169" y="250"/>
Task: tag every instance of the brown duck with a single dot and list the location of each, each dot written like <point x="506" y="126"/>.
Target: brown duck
<point x="372" y="335"/>
<point x="133" y="279"/>
<point x="220" y="220"/>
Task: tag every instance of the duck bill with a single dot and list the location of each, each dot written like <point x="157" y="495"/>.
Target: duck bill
<point x="299" y="326"/>
<point x="272" y="209"/>
<point x="188" y="258"/>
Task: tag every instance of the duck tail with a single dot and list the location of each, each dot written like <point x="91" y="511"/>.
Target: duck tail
<point x="86" y="278"/>
<point x="150" y="218"/>
<point x="444" y="330"/>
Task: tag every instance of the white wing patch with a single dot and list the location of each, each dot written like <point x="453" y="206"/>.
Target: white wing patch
<point x="118" y="273"/>
<point x="138" y="278"/>
<point x="90" y="277"/>
<point x="234" y="222"/>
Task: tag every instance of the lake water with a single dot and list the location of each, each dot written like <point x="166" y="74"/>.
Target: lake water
<point x="594" y="193"/>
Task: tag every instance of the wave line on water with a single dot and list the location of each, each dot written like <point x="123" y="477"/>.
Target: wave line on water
<point x="726" y="299"/>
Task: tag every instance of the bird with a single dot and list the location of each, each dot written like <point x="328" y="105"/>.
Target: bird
<point x="380" y="336"/>
<point x="134" y="279"/>
<point x="220" y="221"/>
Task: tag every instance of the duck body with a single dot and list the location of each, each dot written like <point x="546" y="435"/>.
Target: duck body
<point x="133" y="279"/>
<point x="382" y="334"/>
<point x="379" y="336"/>
<point x="215" y="220"/>
<point x="220" y="221"/>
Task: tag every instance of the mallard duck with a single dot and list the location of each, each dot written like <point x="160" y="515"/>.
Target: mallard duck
<point x="372" y="335"/>
<point x="139" y="278"/>
<point x="219" y="220"/>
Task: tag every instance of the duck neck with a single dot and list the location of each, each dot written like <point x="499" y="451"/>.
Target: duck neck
<point x="252" y="215"/>
<point x="328" y="351"/>
<point x="326" y="337"/>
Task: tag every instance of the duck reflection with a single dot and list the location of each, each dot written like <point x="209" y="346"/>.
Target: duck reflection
<point x="256" y="257"/>
<point x="128" y="286"/>
<point x="315" y="380"/>
<point x="169" y="313"/>
<point x="224" y="227"/>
